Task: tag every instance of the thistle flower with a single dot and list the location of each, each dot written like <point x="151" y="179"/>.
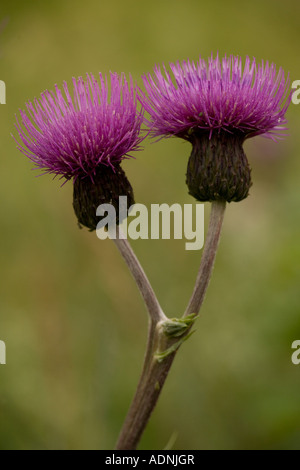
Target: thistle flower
<point x="85" y="137"/>
<point x="216" y="105"/>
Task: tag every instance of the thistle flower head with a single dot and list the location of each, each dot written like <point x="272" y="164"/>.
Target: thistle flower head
<point x="85" y="137"/>
<point x="217" y="95"/>
<point x="216" y="105"/>
<point x="72" y="135"/>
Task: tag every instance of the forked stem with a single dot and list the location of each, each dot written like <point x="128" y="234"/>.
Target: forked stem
<point x="165" y="335"/>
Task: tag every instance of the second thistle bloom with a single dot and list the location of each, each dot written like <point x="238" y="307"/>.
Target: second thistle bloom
<point x="216" y="105"/>
<point x="85" y="136"/>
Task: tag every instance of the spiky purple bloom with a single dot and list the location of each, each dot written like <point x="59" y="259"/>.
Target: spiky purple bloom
<point x="217" y="95"/>
<point x="85" y="136"/>
<point x="73" y="135"/>
<point x="216" y="105"/>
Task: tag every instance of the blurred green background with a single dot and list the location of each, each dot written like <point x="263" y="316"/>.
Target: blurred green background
<point x="71" y="316"/>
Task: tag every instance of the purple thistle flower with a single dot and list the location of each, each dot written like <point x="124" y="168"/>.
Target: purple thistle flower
<point x="85" y="137"/>
<point x="73" y="136"/>
<point x="216" y="105"/>
<point x="218" y="95"/>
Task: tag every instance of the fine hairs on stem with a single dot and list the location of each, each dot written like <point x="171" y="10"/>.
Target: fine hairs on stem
<point x="162" y="346"/>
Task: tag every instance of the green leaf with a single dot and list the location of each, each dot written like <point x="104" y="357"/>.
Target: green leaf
<point x="161" y="356"/>
<point x="176" y="327"/>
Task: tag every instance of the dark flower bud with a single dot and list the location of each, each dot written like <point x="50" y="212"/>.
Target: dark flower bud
<point x="106" y="187"/>
<point x="218" y="168"/>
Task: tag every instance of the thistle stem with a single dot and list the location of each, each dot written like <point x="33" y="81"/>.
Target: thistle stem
<point x="144" y="401"/>
<point x="162" y="347"/>
<point x="154" y="309"/>
<point x="208" y="257"/>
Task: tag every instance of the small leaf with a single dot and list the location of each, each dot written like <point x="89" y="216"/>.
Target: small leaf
<point x="161" y="356"/>
<point x="176" y="327"/>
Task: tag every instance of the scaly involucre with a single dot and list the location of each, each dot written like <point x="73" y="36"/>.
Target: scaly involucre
<point x="215" y="95"/>
<point x="72" y="136"/>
